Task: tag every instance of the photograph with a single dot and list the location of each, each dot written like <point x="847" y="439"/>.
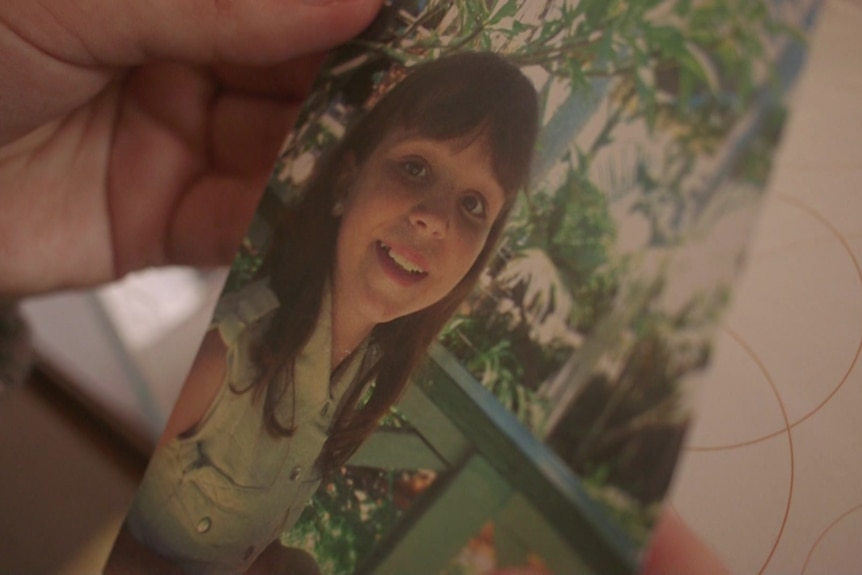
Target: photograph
<point x="461" y="334"/>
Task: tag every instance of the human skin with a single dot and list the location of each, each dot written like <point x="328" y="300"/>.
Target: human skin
<point x="137" y="134"/>
<point x="414" y="218"/>
<point x="677" y="550"/>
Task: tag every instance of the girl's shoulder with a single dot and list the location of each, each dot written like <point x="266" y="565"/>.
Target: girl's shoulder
<point x="236" y="311"/>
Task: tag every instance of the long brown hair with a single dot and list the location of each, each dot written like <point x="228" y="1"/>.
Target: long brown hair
<point x="469" y="94"/>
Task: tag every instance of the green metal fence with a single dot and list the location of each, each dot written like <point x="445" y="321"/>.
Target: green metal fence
<point x="492" y="469"/>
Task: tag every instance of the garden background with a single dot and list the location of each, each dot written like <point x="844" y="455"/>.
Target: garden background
<point x="660" y="120"/>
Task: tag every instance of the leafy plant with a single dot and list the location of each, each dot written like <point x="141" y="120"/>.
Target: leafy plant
<point x="689" y="87"/>
<point x="351" y="513"/>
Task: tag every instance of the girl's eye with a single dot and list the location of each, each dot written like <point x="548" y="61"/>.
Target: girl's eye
<point x="415" y="169"/>
<point x="474" y="205"/>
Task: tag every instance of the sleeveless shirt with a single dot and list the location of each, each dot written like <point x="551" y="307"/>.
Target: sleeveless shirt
<point x="212" y="499"/>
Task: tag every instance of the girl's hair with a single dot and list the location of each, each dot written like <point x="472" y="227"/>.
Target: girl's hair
<point x="467" y="95"/>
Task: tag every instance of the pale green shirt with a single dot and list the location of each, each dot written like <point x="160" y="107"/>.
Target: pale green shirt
<point x="213" y="499"/>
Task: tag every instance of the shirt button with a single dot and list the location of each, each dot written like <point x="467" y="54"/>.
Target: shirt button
<point x="295" y="473"/>
<point x="325" y="409"/>
<point x="204" y="525"/>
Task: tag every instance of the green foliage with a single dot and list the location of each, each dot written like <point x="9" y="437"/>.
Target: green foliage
<point x="636" y="519"/>
<point x="504" y="362"/>
<point x="575" y="228"/>
<point x="628" y="424"/>
<point x="244" y="267"/>
<point x="575" y="231"/>
<point x="688" y="69"/>
<point x="756" y="164"/>
<point x="691" y="75"/>
<point x="346" y="518"/>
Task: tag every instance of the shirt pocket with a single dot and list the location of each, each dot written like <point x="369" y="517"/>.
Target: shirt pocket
<point x="244" y="463"/>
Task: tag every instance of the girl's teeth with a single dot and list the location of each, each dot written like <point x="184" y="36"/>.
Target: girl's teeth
<point x="401" y="261"/>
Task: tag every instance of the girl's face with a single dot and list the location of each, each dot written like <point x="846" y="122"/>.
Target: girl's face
<point x="415" y="217"/>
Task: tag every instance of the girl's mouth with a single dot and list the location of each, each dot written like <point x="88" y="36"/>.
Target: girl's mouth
<point x="399" y="266"/>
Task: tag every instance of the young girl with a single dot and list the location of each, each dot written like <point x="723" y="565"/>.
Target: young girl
<point x="391" y="234"/>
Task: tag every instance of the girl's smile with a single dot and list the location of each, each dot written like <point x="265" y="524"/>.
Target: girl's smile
<point x="416" y="216"/>
<point x="403" y="267"/>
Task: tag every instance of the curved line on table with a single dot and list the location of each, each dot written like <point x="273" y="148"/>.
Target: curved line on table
<point x="845" y="244"/>
<point x="787" y="429"/>
<point x="822" y="535"/>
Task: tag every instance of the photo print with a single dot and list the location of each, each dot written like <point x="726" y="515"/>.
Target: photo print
<point x="461" y="333"/>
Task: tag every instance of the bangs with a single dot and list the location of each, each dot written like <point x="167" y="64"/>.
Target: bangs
<point x="471" y="95"/>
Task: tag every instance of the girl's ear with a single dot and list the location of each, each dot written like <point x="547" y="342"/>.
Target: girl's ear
<point x="344" y="184"/>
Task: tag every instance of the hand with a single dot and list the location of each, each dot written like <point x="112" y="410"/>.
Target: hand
<point x="135" y="134"/>
<point x="675" y="550"/>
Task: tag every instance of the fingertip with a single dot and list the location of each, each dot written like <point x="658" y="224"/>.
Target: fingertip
<point x="676" y="550"/>
<point x="275" y="30"/>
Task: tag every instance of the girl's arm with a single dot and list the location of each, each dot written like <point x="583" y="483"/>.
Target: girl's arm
<point x="129" y="557"/>
<point x="201" y="387"/>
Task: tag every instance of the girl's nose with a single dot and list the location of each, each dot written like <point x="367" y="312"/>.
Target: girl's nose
<point x="430" y="218"/>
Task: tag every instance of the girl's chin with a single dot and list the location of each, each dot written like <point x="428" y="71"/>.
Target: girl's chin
<point x="388" y="302"/>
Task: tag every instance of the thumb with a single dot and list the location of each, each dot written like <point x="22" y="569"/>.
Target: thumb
<point x="244" y="31"/>
<point x="676" y="549"/>
<point x="256" y="32"/>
